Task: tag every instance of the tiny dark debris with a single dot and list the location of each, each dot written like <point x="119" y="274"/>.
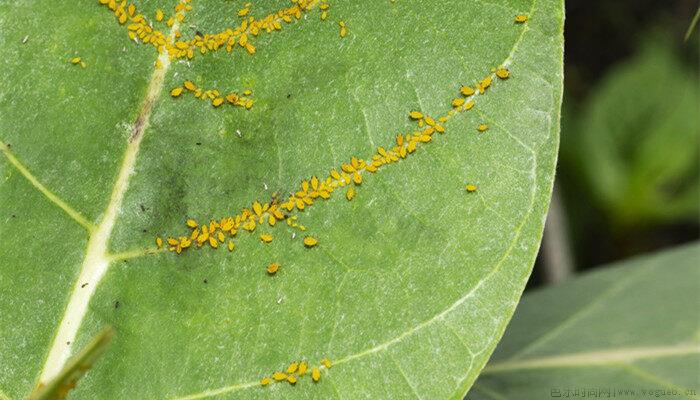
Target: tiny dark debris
<point x="116" y="304"/>
<point x="289" y="96"/>
<point x="142" y="207"/>
<point x="198" y="143"/>
<point x="206" y="281"/>
<point x="83" y="285"/>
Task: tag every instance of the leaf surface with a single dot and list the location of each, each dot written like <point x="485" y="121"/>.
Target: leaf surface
<point x="627" y="328"/>
<point x="412" y="282"/>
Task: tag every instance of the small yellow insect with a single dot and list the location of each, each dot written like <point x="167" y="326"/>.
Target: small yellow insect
<point x="310" y="241"/>
<point x="471" y="188"/>
<point x="176" y="92"/>
<point x="293" y="367"/>
<point x="266" y="238"/>
<point x="265" y="381"/>
<point x="302" y="368"/>
<point x="482" y="128"/>
<point x="315" y="374"/>
<point x="272" y="269"/>
<point x="189" y="85"/>
<point x="521" y="18"/>
<point x="503" y="73"/>
<point x="466" y="91"/>
<point x="350" y="194"/>
<point x="292" y="379"/>
<point x="279" y="376"/>
<point x="416" y="115"/>
<point x="159" y="242"/>
<point x="326" y="363"/>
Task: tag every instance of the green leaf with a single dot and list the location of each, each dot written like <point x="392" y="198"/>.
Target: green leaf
<point x="637" y="155"/>
<point x="625" y="328"/>
<point x="412" y="282"/>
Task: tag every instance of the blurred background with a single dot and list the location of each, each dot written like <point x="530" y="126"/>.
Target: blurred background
<point x="628" y="180"/>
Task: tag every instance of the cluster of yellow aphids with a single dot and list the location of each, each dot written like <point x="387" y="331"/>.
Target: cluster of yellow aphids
<point x="220" y="233"/>
<point x="214" y="96"/>
<point x="350" y="176"/>
<point x="295" y="371"/>
<point x="141" y="30"/>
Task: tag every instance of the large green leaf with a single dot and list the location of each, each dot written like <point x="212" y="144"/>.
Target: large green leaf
<point x="631" y="330"/>
<point x="412" y="282"/>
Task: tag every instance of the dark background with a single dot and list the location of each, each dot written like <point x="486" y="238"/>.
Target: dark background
<point x="627" y="181"/>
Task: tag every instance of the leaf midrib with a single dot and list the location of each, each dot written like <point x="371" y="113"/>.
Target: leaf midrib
<point x="97" y="260"/>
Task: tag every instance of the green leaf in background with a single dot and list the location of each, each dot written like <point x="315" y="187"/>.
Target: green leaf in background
<point x="412" y="282"/>
<point x="635" y="145"/>
<point x="626" y="328"/>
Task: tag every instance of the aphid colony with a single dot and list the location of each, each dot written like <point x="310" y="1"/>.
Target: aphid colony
<point x="214" y="96"/>
<point x="349" y="177"/>
<point x="296" y="370"/>
<point x="141" y="30"/>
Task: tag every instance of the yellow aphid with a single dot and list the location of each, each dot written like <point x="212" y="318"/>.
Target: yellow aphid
<point x="415" y="115"/>
<point x="430" y="121"/>
<point x="243" y="12"/>
<point x="273" y="268"/>
<point x="75" y="60"/>
<point x="315" y="374"/>
<point x="502" y="73"/>
<point x="231" y="246"/>
<point x="176" y="92"/>
<point x="310" y="241"/>
<point x="159" y="15"/>
<point x="470" y="188"/>
<point x="466" y="91"/>
<point x="458" y="102"/>
<point x="440" y="128"/>
<point x="486" y="82"/>
<point x="302" y="368"/>
<point x="482" y="128"/>
<point x="350" y="194"/>
<point x="266" y="238"/>
<point x="521" y="18"/>
<point x="279" y="376"/>
<point x="468" y="105"/>
<point x="265" y="381"/>
<point x="159" y="242"/>
<point x="292" y="379"/>
<point x="217" y="101"/>
<point x="247" y="92"/>
<point x="293" y="367"/>
<point x="190" y="86"/>
<point x="191" y="223"/>
<point x="326" y="363"/>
